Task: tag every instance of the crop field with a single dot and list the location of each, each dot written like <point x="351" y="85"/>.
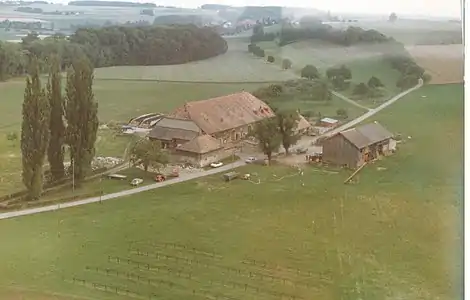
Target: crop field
<point x="394" y="233"/>
<point x="444" y="62"/>
<point x="233" y="66"/>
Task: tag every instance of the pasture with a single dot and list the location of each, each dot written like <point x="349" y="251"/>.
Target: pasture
<point x="445" y="63"/>
<point x="363" y="61"/>
<point x="235" y="66"/>
<point x="393" y="234"/>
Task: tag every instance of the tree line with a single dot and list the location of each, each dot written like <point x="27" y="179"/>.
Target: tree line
<point x="52" y="122"/>
<point x="114" y="46"/>
<point x="351" y="36"/>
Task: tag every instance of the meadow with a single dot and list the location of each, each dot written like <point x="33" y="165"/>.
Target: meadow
<point x="363" y="61"/>
<point x="234" y="66"/>
<point x="394" y="233"/>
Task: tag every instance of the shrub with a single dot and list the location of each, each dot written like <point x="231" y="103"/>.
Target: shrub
<point x="286" y="64"/>
<point x="374" y="82"/>
<point x="361" y="89"/>
<point x="342" y="113"/>
<point x="271" y="59"/>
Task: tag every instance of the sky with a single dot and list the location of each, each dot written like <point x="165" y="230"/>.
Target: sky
<point x="435" y="8"/>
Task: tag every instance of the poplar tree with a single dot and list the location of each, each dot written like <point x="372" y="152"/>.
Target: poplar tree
<point x="82" y="117"/>
<point x="55" y="152"/>
<point x="34" y="132"/>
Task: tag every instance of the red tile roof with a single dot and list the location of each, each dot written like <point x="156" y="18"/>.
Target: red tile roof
<point x="226" y="112"/>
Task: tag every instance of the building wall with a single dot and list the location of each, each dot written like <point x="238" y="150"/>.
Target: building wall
<point x="201" y="160"/>
<point x="231" y="136"/>
<point x="339" y="151"/>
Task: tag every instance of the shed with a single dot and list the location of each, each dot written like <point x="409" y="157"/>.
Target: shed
<point x="329" y="122"/>
<point x="354" y="147"/>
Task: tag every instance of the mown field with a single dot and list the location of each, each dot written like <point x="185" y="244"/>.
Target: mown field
<point x="393" y="234"/>
<point x="233" y="66"/>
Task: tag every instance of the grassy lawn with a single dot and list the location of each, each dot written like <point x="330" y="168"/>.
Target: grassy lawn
<point x="393" y="234"/>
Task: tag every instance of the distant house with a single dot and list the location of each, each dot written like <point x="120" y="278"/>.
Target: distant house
<point x="329" y="122"/>
<point x="303" y="126"/>
<point x="354" y="147"/>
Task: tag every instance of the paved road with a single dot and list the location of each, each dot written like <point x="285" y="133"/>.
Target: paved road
<point x="370" y="113"/>
<point x="133" y="191"/>
<point x="187" y="177"/>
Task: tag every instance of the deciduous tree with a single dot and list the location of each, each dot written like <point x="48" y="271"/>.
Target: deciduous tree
<point x="55" y="151"/>
<point x="148" y="153"/>
<point x="82" y="117"/>
<point x="268" y="136"/>
<point x="286" y="64"/>
<point x="309" y="72"/>
<point x="287" y="122"/>
<point x="34" y="132"/>
<point x="374" y="82"/>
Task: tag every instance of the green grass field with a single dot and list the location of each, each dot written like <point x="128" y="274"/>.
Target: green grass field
<point x="394" y="234"/>
<point x="233" y="66"/>
<point x="364" y="62"/>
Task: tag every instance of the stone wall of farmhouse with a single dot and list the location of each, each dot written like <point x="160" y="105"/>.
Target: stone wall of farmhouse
<point x="233" y="135"/>
<point x="201" y="160"/>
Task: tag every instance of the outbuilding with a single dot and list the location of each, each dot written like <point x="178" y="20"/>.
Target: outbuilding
<point x="353" y="147"/>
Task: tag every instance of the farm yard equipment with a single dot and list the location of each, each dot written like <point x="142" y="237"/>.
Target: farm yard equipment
<point x="160" y="178"/>
<point x="230" y="176"/>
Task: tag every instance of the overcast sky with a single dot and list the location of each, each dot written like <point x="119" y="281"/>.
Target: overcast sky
<point x="436" y="8"/>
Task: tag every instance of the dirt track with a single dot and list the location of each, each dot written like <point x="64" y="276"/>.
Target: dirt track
<point x="445" y="63"/>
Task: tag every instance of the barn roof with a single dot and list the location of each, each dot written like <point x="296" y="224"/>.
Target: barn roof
<point x="200" y="144"/>
<point x="303" y="123"/>
<point x="366" y="135"/>
<point x="168" y="129"/>
<point x="226" y="112"/>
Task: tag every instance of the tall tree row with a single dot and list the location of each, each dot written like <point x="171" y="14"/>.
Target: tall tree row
<point x="55" y="151"/>
<point x="82" y="118"/>
<point x="34" y="132"/>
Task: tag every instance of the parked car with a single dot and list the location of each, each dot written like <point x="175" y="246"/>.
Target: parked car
<point x="216" y="164"/>
<point x="136" y="181"/>
<point x="250" y="159"/>
<point x="301" y="150"/>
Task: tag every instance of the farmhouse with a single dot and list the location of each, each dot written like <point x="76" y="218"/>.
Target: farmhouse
<point x="354" y="147"/>
<point x="206" y="131"/>
<point x="227" y="118"/>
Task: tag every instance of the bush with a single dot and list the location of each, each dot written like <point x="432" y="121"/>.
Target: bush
<point x="342" y="113"/>
<point x="427" y="77"/>
<point x="286" y="64"/>
<point x="374" y="82"/>
<point x="271" y="59"/>
<point x="361" y="89"/>
<point x="12" y="136"/>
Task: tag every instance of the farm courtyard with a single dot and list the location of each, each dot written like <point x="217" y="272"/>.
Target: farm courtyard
<point x="393" y="234"/>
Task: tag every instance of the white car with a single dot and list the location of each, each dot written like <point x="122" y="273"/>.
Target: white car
<point x="216" y="164"/>
<point x="136" y="181"/>
<point x="250" y="159"/>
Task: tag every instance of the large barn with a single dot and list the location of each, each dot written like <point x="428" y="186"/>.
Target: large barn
<point x="353" y="147"/>
<point x="206" y="131"/>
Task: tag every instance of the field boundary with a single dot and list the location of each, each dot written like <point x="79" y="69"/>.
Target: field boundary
<point x="189" y="81"/>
